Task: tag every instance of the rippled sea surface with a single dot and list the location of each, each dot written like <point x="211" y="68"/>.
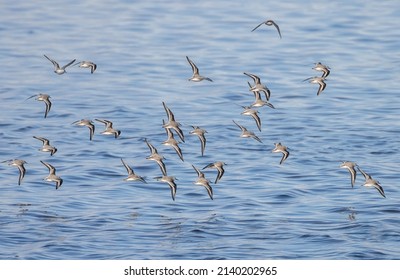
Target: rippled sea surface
<point x="302" y="209"/>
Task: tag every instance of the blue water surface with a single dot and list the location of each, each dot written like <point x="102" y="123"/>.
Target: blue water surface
<point x="302" y="209"/>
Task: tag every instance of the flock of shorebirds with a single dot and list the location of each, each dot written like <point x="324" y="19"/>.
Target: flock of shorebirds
<point x="172" y="127"/>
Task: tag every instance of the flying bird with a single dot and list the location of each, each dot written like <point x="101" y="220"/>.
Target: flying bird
<point x="170" y="180"/>
<point x="57" y="69"/>
<point x="196" y="77"/>
<point x="52" y="177"/>
<point x="87" y="64"/>
<point x="248" y="111"/>
<point x="19" y="163"/>
<point x="317" y="80"/>
<point x="279" y="148"/>
<point x="321" y="67"/>
<point x="351" y="167"/>
<point x="45" y="98"/>
<point x="200" y="133"/>
<point x="155" y="156"/>
<point x="201" y="180"/>
<point x="172" y="142"/>
<point x="131" y="174"/>
<point x="46" y="145"/>
<point x="369" y="182"/>
<point x="172" y="123"/>
<point x="219" y="165"/>
<point x="269" y="23"/>
<point x="87" y="123"/>
<point x="109" y="130"/>
<point x="258" y="86"/>
<point x="247" y="133"/>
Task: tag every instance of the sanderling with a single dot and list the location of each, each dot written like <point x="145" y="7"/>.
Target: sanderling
<point x="254" y="114"/>
<point x="87" y="64"/>
<point x="247" y="133"/>
<point x="369" y="182"/>
<point x="156" y="157"/>
<point x="57" y="69"/>
<point x="317" y="80"/>
<point x="196" y="76"/>
<point x="46" y="145"/>
<point x="109" y="130"/>
<point x="52" y="177"/>
<point x="19" y="163"/>
<point x="258" y="102"/>
<point x="219" y="165"/>
<point x="87" y="123"/>
<point x="131" y="174"/>
<point x="321" y="67"/>
<point x="172" y="142"/>
<point x="269" y="23"/>
<point x="171" y="182"/>
<point x="258" y="86"/>
<point x="45" y="98"/>
<point x="172" y="123"/>
<point x="351" y="166"/>
<point x="200" y="133"/>
<point x="279" y="148"/>
<point x="201" y="180"/>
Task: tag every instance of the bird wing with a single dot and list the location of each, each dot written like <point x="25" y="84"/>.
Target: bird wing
<point x="258" y="26"/>
<point x="195" y="69"/>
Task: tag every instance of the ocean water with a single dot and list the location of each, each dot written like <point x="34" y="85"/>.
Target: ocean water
<point x="302" y="209"/>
